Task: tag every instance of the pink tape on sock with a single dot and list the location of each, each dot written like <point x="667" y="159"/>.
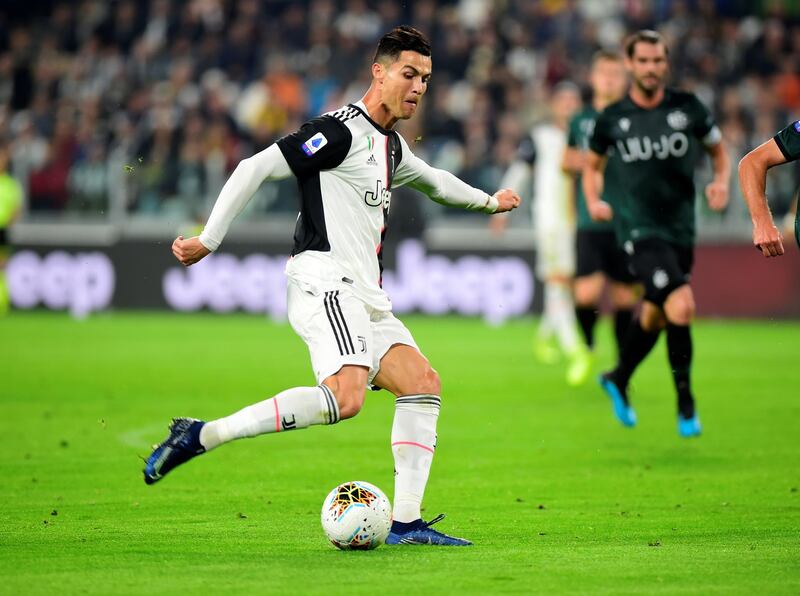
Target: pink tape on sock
<point x="412" y="443"/>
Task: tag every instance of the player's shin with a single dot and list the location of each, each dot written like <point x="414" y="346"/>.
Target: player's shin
<point x="292" y="409"/>
<point x="638" y="343"/>
<point x="622" y="324"/>
<point x="587" y="318"/>
<point x="679" y="347"/>
<point x="413" y="446"/>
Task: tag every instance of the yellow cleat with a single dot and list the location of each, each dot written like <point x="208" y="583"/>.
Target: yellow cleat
<point x="580" y="366"/>
<point x="545" y="351"/>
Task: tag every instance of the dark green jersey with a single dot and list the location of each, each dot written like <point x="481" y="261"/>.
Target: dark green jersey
<point x="788" y="141"/>
<point x="580" y="129"/>
<point x="654" y="153"/>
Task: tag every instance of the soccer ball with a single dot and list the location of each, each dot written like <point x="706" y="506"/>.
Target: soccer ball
<point x="356" y="515"/>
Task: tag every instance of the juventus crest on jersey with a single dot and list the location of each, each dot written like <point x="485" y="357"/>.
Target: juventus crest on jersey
<point x="346" y="166"/>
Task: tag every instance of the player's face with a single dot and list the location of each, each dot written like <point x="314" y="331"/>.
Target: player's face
<point x="648" y="66"/>
<point x="405" y="81"/>
<point x="608" y="79"/>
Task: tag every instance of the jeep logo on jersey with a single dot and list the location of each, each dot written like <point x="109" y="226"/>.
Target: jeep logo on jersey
<point x="314" y="144"/>
<point x="678" y="120"/>
<point x="644" y="149"/>
<point x="381" y="196"/>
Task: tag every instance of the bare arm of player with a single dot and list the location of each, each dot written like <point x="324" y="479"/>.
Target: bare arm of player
<point x="753" y="182"/>
<point x="573" y="161"/>
<point x="269" y="164"/>
<point x="717" y="189"/>
<point x="592" y="182"/>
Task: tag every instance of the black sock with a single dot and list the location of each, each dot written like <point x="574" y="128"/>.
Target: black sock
<point x="587" y="317"/>
<point x="679" y="346"/>
<point x="403" y="527"/>
<point x="622" y="324"/>
<point x="638" y="344"/>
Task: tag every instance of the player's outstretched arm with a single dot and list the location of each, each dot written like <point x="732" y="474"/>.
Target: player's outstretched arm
<point x="591" y="180"/>
<point x="447" y="189"/>
<point x="269" y="164"/>
<point x="753" y="182"/>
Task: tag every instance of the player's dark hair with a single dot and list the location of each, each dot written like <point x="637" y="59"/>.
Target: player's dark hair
<point x="400" y="39"/>
<point x="643" y="36"/>
<point x="606" y="54"/>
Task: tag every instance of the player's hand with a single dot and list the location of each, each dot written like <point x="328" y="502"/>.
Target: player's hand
<point x="767" y="238"/>
<point x="507" y="200"/>
<point x="600" y="211"/>
<point x="189" y="251"/>
<point x="717" y="195"/>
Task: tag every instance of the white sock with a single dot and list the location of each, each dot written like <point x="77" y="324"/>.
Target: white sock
<point x="295" y="408"/>
<point x="413" y="444"/>
<point x="560" y="311"/>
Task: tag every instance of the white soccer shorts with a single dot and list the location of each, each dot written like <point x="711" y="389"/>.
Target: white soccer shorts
<point x="340" y="329"/>
<point x="555" y="252"/>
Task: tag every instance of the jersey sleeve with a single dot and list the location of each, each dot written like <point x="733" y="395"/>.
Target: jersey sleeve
<point x="601" y="140"/>
<point x="788" y="141"/>
<point x="320" y="144"/>
<point x="439" y="185"/>
<point x="703" y="125"/>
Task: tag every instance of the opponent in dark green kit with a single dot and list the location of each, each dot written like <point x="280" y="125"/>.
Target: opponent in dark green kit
<point x="782" y="148"/>
<point x="654" y="137"/>
<point x="600" y="258"/>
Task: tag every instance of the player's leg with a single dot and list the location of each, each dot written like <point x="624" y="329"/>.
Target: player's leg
<point x="405" y="372"/>
<point x="590" y="281"/>
<point x="338" y="397"/>
<point x="680" y="309"/>
<point x="330" y="323"/>
<point x="650" y="261"/>
<point x="624" y="297"/>
<point x="588" y="290"/>
<point x="639" y="341"/>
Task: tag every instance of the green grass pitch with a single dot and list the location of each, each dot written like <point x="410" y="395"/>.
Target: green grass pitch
<point x="556" y="495"/>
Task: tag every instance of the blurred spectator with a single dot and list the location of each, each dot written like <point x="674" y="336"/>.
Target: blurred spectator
<point x="154" y="102"/>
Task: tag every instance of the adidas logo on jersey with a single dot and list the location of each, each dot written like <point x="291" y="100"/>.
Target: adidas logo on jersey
<point x="372" y="161"/>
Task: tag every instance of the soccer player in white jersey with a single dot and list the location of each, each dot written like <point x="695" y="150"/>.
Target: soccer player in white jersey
<point x="554" y="226"/>
<point x="346" y="163"/>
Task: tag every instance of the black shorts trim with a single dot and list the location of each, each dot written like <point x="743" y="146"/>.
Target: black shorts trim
<point x="598" y="251"/>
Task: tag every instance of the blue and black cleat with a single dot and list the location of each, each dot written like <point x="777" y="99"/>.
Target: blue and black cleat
<point x="422" y="533"/>
<point x="182" y="444"/>
<point x="622" y="409"/>
<point x="689" y="427"/>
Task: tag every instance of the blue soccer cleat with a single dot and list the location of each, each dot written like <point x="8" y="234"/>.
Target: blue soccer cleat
<point x="689" y="427"/>
<point x="422" y="533"/>
<point x="622" y="409"/>
<point x="182" y="444"/>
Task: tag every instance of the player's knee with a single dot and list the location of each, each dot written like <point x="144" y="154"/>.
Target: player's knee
<point x="681" y="314"/>
<point x="680" y="308"/>
<point x="652" y="318"/>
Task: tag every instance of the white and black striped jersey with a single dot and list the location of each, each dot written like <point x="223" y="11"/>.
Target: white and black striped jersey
<point x="346" y="166"/>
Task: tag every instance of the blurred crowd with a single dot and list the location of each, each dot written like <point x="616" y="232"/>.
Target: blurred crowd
<point x="144" y="107"/>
